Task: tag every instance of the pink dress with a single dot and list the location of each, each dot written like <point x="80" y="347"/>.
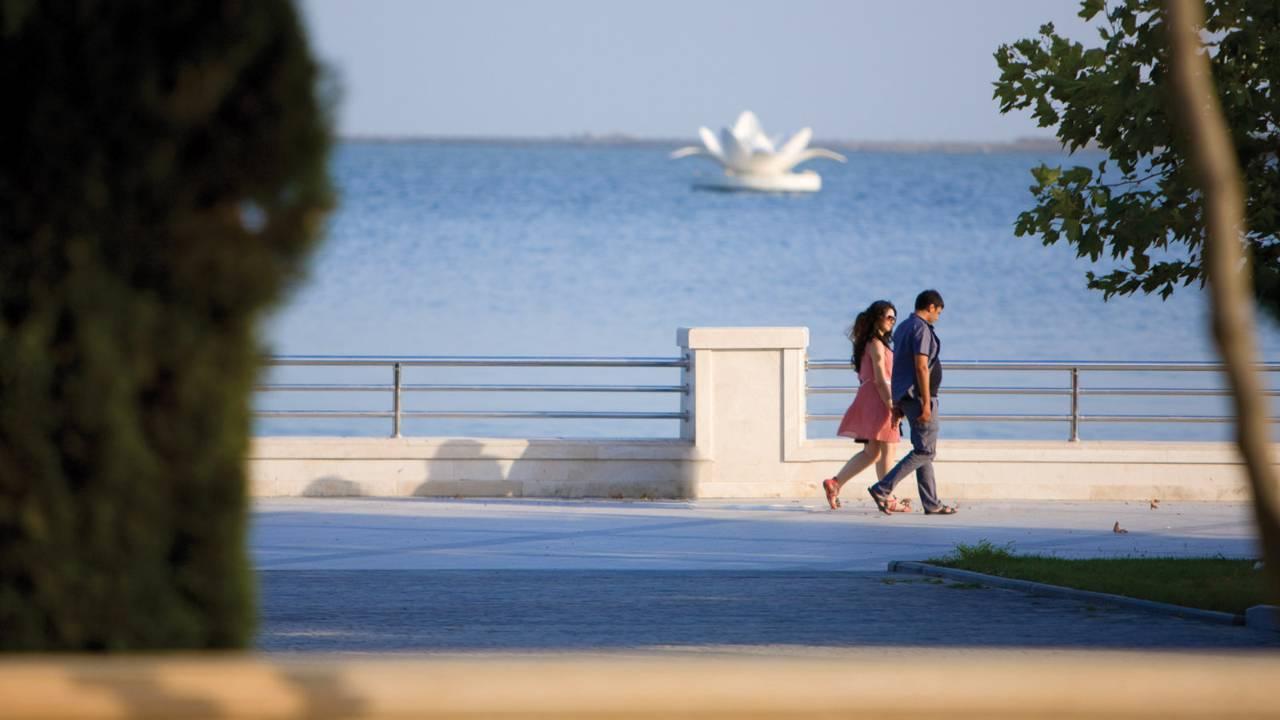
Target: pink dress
<point x="868" y="418"/>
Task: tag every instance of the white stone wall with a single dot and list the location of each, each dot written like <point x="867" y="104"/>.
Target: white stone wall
<point x="472" y="467"/>
<point x="745" y="439"/>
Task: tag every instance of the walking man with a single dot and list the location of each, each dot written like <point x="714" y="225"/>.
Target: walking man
<point x="917" y="375"/>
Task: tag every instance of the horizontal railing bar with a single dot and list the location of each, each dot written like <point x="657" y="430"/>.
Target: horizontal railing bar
<point x="1060" y="365"/>
<point x="1004" y="391"/>
<point x="527" y="414"/>
<point x="1006" y="418"/>
<point x="325" y="387"/>
<point x="471" y="361"/>
<point x="972" y="418"/>
<point x="1101" y="392"/>
<point x="1167" y="392"/>
<point x="385" y="387"/>
<point x="833" y="390"/>
<point x="322" y="414"/>
<point x="1164" y="418"/>
<point x="545" y="414"/>
<point x="1066" y="418"/>
<point x="548" y="388"/>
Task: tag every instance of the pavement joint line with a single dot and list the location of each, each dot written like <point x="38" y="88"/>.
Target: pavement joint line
<point x="1036" y="588"/>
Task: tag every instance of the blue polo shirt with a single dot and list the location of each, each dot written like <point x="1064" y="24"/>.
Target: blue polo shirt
<point x="914" y="337"/>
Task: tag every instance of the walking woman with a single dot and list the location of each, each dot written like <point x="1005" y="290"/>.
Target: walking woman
<point x="870" y="419"/>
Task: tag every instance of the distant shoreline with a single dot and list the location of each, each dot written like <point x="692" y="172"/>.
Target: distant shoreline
<point x="1036" y="144"/>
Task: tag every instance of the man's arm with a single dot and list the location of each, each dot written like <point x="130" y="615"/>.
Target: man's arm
<point x="923" y="389"/>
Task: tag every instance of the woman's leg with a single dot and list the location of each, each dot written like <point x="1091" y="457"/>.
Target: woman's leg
<point x="863" y="460"/>
<point x="883" y="464"/>
<point x="885" y="461"/>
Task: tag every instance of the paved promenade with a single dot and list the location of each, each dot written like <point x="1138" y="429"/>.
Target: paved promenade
<point x="782" y="577"/>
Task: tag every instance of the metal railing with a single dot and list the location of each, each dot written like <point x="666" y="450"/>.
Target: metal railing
<point x="397" y="387"/>
<point x="1073" y="389"/>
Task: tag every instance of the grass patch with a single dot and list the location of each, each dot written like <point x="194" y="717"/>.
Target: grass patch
<point x="912" y="581"/>
<point x="1206" y="583"/>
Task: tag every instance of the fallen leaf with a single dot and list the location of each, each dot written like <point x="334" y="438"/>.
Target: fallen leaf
<point x="1117" y="529"/>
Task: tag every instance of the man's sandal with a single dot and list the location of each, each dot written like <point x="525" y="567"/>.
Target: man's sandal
<point x="944" y="510"/>
<point x="882" y="503"/>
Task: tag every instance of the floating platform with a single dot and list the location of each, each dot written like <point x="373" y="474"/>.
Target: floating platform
<point x="807" y="181"/>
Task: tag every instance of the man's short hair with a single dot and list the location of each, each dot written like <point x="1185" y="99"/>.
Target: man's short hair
<point x="927" y="298"/>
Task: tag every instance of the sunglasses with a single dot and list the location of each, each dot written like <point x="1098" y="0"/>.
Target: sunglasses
<point x="891" y="318"/>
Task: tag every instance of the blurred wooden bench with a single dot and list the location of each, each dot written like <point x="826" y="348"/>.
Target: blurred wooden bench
<point x="873" y="683"/>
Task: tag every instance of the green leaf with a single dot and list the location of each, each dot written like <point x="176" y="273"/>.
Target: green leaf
<point x="1072" y="226"/>
<point x="1046" y="175"/>
<point x="1141" y="199"/>
<point x="1089" y="8"/>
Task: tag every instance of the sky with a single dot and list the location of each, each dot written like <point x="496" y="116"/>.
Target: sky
<point x="853" y="70"/>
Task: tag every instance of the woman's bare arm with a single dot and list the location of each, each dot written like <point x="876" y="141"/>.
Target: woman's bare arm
<point x="876" y="350"/>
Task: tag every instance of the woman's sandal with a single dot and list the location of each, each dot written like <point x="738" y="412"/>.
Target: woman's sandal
<point x="832" y="490"/>
<point x="944" y="510"/>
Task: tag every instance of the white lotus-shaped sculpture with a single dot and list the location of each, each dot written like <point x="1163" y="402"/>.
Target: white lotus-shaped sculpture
<point x="752" y="161"/>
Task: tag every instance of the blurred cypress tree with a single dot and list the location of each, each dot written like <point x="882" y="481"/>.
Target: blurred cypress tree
<point x="162" y="177"/>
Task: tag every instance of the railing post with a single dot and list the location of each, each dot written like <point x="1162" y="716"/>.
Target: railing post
<point x="395" y="404"/>
<point x="1075" y="404"/>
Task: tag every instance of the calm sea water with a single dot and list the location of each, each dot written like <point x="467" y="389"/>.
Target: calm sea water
<point x="561" y="249"/>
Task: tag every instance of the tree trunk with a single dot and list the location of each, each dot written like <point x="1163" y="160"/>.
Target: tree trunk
<point x="1230" y="296"/>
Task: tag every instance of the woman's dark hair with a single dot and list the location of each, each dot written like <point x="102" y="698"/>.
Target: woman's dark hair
<point x="864" y="328"/>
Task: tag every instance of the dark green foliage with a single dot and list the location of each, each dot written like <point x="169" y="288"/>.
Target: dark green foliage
<point x="162" y="177"/>
<point x="1140" y="206"/>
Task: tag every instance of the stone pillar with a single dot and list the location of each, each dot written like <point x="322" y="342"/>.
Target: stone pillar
<point x="746" y="403"/>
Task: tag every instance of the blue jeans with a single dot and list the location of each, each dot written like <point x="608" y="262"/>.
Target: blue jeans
<point x="924" y="442"/>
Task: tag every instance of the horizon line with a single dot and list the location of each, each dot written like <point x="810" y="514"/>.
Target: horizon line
<point x="1029" y="143"/>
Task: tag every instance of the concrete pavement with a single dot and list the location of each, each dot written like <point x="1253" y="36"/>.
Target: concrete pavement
<point x="524" y="534"/>
<point x="376" y="575"/>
